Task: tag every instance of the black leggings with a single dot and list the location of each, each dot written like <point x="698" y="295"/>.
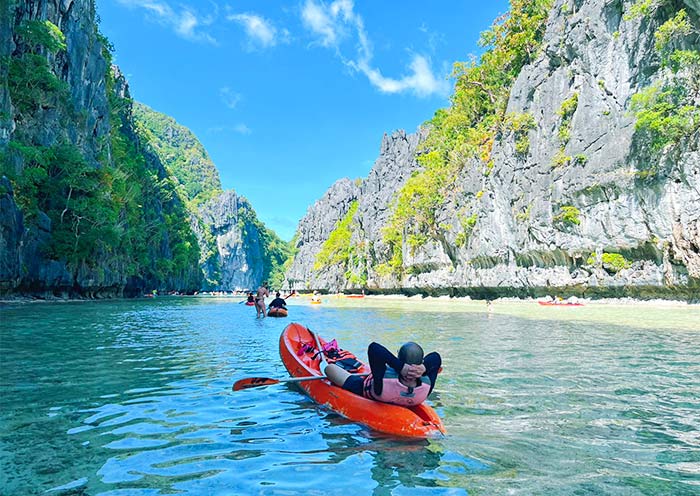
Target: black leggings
<point x="355" y="384"/>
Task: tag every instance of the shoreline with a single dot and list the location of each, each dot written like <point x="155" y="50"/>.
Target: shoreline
<point x="604" y="301"/>
<point x="515" y="299"/>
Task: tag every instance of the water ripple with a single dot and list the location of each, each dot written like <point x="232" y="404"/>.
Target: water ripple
<point x="133" y="398"/>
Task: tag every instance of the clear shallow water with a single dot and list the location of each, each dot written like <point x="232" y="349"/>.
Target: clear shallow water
<point x="133" y="398"/>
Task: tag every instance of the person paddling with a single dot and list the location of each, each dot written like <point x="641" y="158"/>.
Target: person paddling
<point x="260" y="299"/>
<point x="251" y="299"/>
<point x="405" y="380"/>
<point x="278" y="302"/>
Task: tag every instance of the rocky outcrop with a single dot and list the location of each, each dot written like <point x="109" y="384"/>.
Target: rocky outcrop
<point x="314" y="229"/>
<point x="231" y="244"/>
<point x="155" y="202"/>
<point x="520" y="241"/>
<point x="26" y="268"/>
<point x="374" y="195"/>
<point x="79" y="120"/>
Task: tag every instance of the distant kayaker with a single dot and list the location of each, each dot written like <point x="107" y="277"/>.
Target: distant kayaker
<point x="278" y="302"/>
<point x="251" y="299"/>
<point x="404" y="380"/>
<point x="260" y="299"/>
<point x="316" y="296"/>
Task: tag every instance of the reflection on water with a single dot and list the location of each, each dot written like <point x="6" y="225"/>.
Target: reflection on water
<point x="133" y="397"/>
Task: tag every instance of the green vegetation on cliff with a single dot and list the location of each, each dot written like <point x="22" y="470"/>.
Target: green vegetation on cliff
<point x="55" y="179"/>
<point x="32" y="82"/>
<point x="613" y="262"/>
<point x="465" y="132"/>
<point x="568" y="215"/>
<point x="148" y="197"/>
<point x="108" y="207"/>
<point x="667" y="111"/>
<point x="336" y="249"/>
<point x="180" y="151"/>
<point x="275" y="251"/>
<point x="198" y="181"/>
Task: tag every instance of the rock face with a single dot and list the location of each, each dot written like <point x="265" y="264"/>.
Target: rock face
<point x="82" y="67"/>
<point x="225" y="229"/>
<point x="374" y="195"/>
<point x="318" y="223"/>
<point x="520" y="241"/>
<point x="230" y="241"/>
<point x="94" y="107"/>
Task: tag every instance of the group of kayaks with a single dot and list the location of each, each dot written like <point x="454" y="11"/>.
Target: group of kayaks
<point x="298" y="347"/>
<point x="560" y="303"/>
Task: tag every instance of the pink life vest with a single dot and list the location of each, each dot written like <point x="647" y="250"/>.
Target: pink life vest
<point x="395" y="392"/>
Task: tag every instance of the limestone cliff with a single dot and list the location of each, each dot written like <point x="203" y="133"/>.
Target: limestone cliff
<point x="237" y="250"/>
<point x="180" y="151"/>
<point x="314" y="229"/>
<point x="574" y="200"/>
<point x="70" y="77"/>
<point x="235" y="242"/>
<point x="373" y="197"/>
<point x="93" y="203"/>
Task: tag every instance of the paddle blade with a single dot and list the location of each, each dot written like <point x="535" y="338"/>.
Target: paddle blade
<point x="251" y="382"/>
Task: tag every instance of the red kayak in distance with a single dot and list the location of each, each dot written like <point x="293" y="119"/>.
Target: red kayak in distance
<point x="298" y="352"/>
<point x="250" y="303"/>
<point x="555" y="304"/>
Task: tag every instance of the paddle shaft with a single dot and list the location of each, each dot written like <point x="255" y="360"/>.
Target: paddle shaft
<point x="252" y="382"/>
<point x="265" y="381"/>
<point x="299" y="379"/>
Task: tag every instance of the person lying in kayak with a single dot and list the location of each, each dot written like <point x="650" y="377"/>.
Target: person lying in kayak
<point x="405" y="380"/>
<point x="278" y="302"/>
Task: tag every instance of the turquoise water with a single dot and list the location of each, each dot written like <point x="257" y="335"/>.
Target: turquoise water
<point x="134" y="398"/>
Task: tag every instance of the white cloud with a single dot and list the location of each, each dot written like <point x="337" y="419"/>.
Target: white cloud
<point x="242" y="129"/>
<point x="185" y="22"/>
<point x="318" y="20"/>
<point x="421" y="80"/>
<point x="333" y="23"/>
<point x="229" y="97"/>
<point x="260" y="31"/>
<point x="238" y="128"/>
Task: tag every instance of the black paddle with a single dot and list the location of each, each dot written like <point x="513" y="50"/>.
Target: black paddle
<point x="252" y="382"/>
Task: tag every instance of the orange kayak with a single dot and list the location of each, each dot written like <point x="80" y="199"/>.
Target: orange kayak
<point x="277" y="312"/>
<point x="420" y="421"/>
<point x="315" y="302"/>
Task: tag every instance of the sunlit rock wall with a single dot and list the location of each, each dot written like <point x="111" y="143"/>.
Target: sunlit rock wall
<point x="519" y="245"/>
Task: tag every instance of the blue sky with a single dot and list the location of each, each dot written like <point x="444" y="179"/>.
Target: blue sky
<point x="288" y="97"/>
